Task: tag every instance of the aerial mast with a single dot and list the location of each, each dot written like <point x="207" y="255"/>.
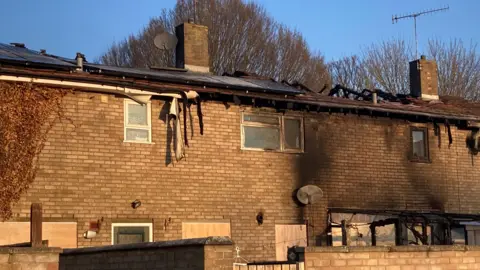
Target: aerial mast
<point x="395" y="19"/>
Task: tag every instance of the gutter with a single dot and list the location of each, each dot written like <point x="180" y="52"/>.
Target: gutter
<point x="135" y="94"/>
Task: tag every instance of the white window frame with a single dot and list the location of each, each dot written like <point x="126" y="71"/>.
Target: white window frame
<point x="126" y="125"/>
<point x="281" y="119"/>
<point x="149" y="225"/>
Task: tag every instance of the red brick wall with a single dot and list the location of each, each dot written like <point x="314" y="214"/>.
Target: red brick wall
<point x="88" y="173"/>
<point x="393" y="258"/>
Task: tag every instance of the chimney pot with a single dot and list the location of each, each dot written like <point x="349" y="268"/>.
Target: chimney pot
<point x="423" y="57"/>
<point x="79" y="57"/>
<point x="192" y="47"/>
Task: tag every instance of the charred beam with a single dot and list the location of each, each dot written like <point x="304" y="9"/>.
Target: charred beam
<point x="344" y="232"/>
<point x="374" y="235"/>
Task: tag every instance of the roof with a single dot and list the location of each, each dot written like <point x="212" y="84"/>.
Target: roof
<point x="23" y="56"/>
<point x="18" y="59"/>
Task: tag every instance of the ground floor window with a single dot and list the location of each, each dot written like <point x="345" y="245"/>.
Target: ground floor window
<point x="131" y="233"/>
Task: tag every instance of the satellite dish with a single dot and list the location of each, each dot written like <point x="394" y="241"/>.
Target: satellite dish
<point x="165" y="41"/>
<point x="309" y="194"/>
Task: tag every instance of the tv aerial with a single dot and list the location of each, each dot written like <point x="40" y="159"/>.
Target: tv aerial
<point x="165" y="41"/>
<point x="395" y="19"/>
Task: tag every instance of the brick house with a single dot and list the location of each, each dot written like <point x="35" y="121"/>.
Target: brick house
<point x="391" y="169"/>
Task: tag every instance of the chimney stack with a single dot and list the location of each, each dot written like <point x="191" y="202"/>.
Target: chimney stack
<point x="192" y="47"/>
<point x="424" y="79"/>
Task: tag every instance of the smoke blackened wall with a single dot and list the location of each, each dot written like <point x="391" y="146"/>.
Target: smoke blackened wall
<point x="363" y="162"/>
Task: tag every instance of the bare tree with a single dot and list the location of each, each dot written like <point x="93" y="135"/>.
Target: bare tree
<point x="242" y="36"/>
<point x="458" y="68"/>
<point x="385" y="66"/>
<point x="350" y="72"/>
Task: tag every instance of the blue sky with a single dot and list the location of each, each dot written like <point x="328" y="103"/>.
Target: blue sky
<point x="336" y="28"/>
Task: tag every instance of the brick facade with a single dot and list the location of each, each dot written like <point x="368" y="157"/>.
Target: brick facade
<point x="88" y="173"/>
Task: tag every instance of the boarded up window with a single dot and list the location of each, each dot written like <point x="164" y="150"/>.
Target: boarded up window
<point x="205" y="229"/>
<point x="58" y="234"/>
<point x="288" y="236"/>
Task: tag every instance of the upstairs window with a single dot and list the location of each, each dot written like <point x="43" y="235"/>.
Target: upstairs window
<point x="138" y="124"/>
<point x="272" y="132"/>
<point x="419" y="144"/>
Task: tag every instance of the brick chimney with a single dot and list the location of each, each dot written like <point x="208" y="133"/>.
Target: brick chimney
<point x="192" y="47"/>
<point x="424" y="79"/>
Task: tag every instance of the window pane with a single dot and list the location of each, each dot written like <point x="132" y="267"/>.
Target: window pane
<point x="292" y="134"/>
<point x="137" y="114"/>
<point x="418" y="227"/>
<point x="138" y="135"/>
<point x="418" y="142"/>
<point x="458" y="236"/>
<point x="131" y="235"/>
<point x="262" y="137"/>
<point x="272" y="120"/>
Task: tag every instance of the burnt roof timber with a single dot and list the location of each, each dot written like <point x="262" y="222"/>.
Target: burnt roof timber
<point x="98" y="79"/>
<point x="411" y="213"/>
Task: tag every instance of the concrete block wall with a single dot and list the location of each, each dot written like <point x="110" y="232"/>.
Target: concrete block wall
<point x="211" y="253"/>
<point x="393" y="258"/>
<point x="29" y="258"/>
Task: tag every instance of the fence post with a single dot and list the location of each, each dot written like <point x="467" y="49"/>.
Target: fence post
<point x="36" y="225"/>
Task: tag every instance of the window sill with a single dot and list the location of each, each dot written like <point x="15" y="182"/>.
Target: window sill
<point x="420" y="160"/>
<point x="138" y="142"/>
<point x="272" y="151"/>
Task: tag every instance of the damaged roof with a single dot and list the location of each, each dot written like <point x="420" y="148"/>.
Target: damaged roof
<point x="16" y="59"/>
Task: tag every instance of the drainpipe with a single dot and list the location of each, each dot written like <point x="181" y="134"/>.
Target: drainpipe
<point x="79" y="59"/>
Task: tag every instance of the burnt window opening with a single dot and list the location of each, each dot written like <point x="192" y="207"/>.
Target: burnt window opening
<point x="419" y="151"/>
<point x="398" y="228"/>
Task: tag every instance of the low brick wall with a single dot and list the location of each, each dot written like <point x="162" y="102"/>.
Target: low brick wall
<point x="19" y="258"/>
<point x="213" y="253"/>
<point x="393" y="258"/>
